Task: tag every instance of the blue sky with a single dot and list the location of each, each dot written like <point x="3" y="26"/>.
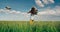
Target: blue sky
<point x="47" y="9"/>
<point x="24" y="5"/>
<point x="18" y="4"/>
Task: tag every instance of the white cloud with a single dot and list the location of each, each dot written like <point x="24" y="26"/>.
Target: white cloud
<point x="48" y="11"/>
<point x="45" y="1"/>
<point x="57" y="9"/>
<point x="13" y="15"/>
<point x="10" y="11"/>
<point x="51" y="1"/>
<point x="47" y="14"/>
<point x="42" y="3"/>
<point x="54" y="11"/>
<point x="1" y="10"/>
<point x="38" y="2"/>
<point x="18" y="12"/>
<point x="25" y="14"/>
<point x="48" y="1"/>
<point x="14" y="12"/>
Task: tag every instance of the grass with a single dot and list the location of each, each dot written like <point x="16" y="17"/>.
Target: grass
<point x="24" y="26"/>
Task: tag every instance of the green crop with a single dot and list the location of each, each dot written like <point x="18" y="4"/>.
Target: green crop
<point x="24" y="26"/>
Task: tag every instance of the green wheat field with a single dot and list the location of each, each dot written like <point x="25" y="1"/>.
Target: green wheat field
<point x="24" y="26"/>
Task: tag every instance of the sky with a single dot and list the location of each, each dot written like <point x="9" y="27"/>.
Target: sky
<point x="48" y="10"/>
